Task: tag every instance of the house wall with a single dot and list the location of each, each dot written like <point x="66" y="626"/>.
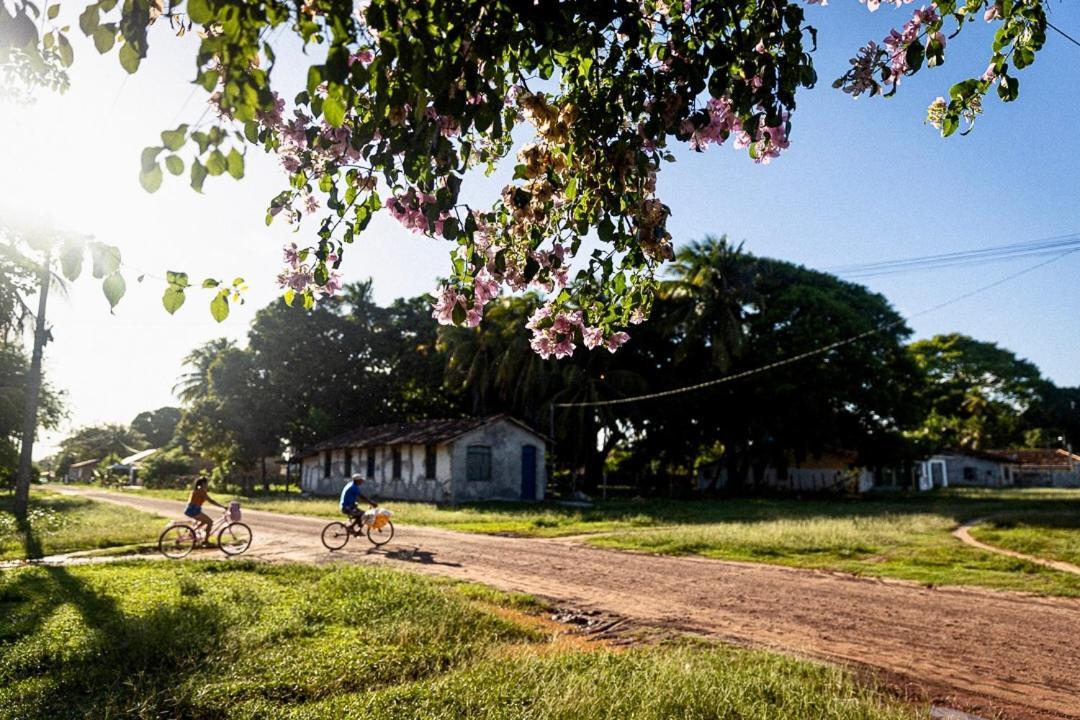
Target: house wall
<point x="1029" y="476"/>
<point x="506" y="440"/>
<point x="412" y="485"/>
<point x="967" y="471"/>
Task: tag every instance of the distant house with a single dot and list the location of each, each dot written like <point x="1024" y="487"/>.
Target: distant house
<point x="81" y="471"/>
<point x="492" y="458"/>
<point x="131" y="464"/>
<point x="1041" y="467"/>
<point x="964" y="468"/>
<point x="830" y="470"/>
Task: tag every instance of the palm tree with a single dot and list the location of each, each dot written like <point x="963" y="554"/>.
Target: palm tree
<point x="711" y="283"/>
<point x="195" y="384"/>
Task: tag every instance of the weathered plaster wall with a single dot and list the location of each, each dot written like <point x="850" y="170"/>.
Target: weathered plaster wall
<point x="506" y="440"/>
<point x="412" y="485"/>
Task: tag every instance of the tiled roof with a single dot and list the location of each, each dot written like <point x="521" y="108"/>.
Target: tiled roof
<point x="414" y="433"/>
<point x="1042" y="457"/>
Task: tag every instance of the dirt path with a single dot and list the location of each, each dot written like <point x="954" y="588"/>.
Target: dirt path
<point x="963" y="534"/>
<point x="986" y="652"/>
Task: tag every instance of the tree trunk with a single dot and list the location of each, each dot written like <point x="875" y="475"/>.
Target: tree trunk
<point x="33" y="390"/>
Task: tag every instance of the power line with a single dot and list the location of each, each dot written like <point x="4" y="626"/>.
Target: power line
<point x="965" y="258"/>
<point x="818" y="351"/>
<point x="1062" y="33"/>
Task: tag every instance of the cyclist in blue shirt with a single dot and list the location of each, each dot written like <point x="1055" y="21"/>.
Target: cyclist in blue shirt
<point x="351" y="493"/>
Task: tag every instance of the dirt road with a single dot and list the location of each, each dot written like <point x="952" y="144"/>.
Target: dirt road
<point x="989" y="653"/>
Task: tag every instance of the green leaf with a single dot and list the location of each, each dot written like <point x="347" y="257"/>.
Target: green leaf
<point x="175" y="164"/>
<point x="71" y="259"/>
<point x="149" y="157"/>
<point x="151" y="180"/>
<point x="129" y="58"/>
<point x="290" y="295"/>
<point x="215" y="164"/>
<point x="198" y="175"/>
<point x="53" y="11"/>
<point x="67" y="55"/>
<point x="176" y="279"/>
<point x="235" y="164"/>
<point x="210" y="283"/>
<point x="172" y="299"/>
<point x="334" y="110"/>
<point x="89" y="19"/>
<point x="114" y="288"/>
<point x="104" y="38"/>
<point x="199" y="11"/>
<point x="106" y="259"/>
<point x="174" y="139"/>
<point x="219" y="306"/>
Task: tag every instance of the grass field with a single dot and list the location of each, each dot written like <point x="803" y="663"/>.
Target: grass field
<point x="1054" y="536"/>
<point x="237" y="640"/>
<point x="59" y="524"/>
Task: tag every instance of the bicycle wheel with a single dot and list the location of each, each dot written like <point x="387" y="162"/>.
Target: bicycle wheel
<point x="176" y="541"/>
<point x="234" y="538"/>
<point x="381" y="536"/>
<point x="335" y="536"/>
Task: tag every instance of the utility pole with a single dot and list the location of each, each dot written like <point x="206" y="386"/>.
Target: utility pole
<point x="33" y="390"/>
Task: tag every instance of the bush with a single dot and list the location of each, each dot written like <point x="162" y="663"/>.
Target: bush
<point x="170" y="468"/>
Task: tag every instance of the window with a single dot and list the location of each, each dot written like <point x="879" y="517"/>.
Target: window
<point x="478" y="463"/>
<point x="327" y="464"/>
<point x="348" y="462"/>
<point x="429" y="461"/>
<point x="969" y="473"/>
<point x="371" y="462"/>
<point x="397" y="462"/>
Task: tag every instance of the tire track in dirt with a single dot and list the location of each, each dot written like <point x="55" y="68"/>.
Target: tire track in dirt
<point x="987" y="652"/>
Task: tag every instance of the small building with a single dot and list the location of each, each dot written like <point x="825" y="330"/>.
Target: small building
<point x="81" y="471"/>
<point x="1041" y="467"/>
<point x="832" y="470"/>
<point x="451" y="461"/>
<point x="964" y="468"/>
<point x="131" y="464"/>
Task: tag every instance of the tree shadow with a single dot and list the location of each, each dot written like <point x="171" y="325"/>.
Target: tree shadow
<point x="30" y="541"/>
<point x="117" y="664"/>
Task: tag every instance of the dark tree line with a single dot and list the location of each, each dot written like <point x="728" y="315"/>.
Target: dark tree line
<point x="305" y="375"/>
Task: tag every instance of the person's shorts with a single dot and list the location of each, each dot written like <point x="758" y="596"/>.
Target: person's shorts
<point x="352" y="511"/>
<point x="193" y="511"/>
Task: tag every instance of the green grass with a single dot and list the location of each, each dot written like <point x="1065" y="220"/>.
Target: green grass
<point x="1052" y="536"/>
<point x="239" y="640"/>
<point x="59" y="524"/>
<point x="881" y="535"/>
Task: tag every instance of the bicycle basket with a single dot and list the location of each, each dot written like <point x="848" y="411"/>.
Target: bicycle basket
<point x="234" y="511"/>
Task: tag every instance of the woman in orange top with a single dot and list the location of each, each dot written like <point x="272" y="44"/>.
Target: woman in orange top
<point x="199" y="496"/>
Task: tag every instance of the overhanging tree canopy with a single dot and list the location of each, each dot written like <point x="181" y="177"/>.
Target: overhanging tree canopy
<point x="405" y="98"/>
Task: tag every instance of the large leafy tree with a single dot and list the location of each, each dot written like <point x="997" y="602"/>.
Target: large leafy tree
<point x="14" y="367"/>
<point x="96" y="442"/>
<point x="977" y="393"/>
<point x="403" y="99"/>
<point x="157" y="426"/>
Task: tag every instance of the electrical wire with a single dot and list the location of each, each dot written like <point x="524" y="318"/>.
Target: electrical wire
<point x="818" y="351"/>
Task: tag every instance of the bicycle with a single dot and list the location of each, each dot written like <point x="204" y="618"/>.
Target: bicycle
<point x="178" y="539"/>
<point x="375" y="524"/>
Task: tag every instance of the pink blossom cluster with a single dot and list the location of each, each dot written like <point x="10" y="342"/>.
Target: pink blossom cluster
<point x="300" y="277"/>
<point x="554" y="333"/>
<point x="448" y="126"/>
<point x="896" y="44"/>
<point x="485" y="289"/>
<point x="768" y="143"/>
<point x="410" y="209"/>
<point x="873" y="5"/>
<point x="862" y="76"/>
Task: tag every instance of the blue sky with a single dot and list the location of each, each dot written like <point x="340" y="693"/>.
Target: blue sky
<point x="864" y="180"/>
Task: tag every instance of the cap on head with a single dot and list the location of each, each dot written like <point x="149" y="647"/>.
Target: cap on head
<point x="358" y="478"/>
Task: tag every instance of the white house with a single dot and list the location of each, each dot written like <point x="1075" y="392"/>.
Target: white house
<point x="492" y="458"/>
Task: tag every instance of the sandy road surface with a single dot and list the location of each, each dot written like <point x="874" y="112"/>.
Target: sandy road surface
<point x="991" y="653"/>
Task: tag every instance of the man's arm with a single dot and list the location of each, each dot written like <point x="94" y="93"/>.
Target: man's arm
<point x="369" y="502"/>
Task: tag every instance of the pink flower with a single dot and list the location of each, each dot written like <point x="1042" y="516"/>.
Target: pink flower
<point x="364" y="57"/>
<point x="564" y="347"/>
<point x="311" y="204"/>
<point x="443" y="311"/>
<point x="292" y="255"/>
<point x="593" y="337"/>
<point x="542" y="344"/>
<point x="272" y="118"/>
<point x="992" y="13"/>
<point x="616" y="340"/>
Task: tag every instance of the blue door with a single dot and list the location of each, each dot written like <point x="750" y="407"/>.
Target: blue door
<point x="528" y="472"/>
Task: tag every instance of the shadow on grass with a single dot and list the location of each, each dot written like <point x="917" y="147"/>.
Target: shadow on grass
<point x="113" y="664"/>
